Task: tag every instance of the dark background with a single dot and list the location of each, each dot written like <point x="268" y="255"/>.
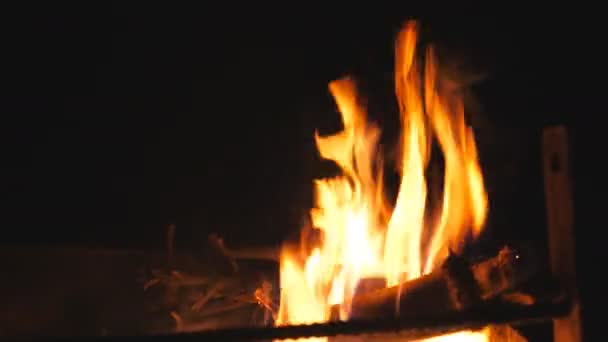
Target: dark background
<point x="119" y="118"/>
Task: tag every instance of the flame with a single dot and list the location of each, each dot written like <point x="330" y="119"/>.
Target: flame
<point x="362" y="235"/>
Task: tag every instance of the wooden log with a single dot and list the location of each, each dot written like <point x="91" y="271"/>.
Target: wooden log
<point x="560" y="218"/>
<point x="453" y="287"/>
<point x="424" y="295"/>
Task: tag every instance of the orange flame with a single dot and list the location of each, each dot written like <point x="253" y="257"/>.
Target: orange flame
<point x="359" y="239"/>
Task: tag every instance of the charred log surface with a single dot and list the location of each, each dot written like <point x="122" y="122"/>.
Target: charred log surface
<point x="425" y="295"/>
<point x="461" y="282"/>
<point x="453" y="287"/>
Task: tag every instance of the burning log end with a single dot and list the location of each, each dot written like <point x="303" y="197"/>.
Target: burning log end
<point x="508" y="270"/>
<point x="455" y="286"/>
<point x="460" y="280"/>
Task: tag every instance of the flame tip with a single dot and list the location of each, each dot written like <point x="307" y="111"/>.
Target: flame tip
<point x="363" y="234"/>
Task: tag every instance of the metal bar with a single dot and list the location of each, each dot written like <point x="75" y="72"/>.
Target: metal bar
<point x="411" y="327"/>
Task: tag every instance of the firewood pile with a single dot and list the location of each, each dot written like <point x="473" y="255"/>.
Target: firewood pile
<point x="217" y="292"/>
<point x="212" y="291"/>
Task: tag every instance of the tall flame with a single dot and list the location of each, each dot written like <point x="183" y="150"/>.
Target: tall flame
<point x="359" y="238"/>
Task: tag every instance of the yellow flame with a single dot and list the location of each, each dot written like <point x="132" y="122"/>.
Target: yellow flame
<point x="464" y="197"/>
<point x="402" y="247"/>
<point x="359" y="239"/>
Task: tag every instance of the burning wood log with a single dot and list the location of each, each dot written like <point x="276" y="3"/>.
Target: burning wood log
<point x="453" y="287"/>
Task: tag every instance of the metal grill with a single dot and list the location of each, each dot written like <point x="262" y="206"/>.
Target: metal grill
<point x="407" y="327"/>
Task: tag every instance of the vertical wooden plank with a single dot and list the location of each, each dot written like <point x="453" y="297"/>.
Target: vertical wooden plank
<point x="559" y="208"/>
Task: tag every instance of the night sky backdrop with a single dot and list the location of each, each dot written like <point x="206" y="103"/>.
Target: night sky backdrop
<point x="120" y="118"/>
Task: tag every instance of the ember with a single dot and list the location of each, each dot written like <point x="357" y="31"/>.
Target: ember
<point x="364" y="236"/>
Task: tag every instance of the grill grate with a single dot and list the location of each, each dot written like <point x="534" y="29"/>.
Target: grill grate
<point x="406" y="327"/>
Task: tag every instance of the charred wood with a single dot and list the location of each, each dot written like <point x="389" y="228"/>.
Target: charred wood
<point x="453" y="287"/>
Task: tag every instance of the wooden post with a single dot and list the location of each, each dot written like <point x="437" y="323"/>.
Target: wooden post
<point x="559" y="207"/>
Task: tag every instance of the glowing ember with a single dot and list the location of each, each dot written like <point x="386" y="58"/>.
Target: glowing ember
<point x="363" y="236"/>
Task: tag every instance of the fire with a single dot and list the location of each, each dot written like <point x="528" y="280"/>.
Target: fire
<point x="363" y="235"/>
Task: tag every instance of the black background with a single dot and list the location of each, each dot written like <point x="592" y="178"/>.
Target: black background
<point x="120" y="117"/>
